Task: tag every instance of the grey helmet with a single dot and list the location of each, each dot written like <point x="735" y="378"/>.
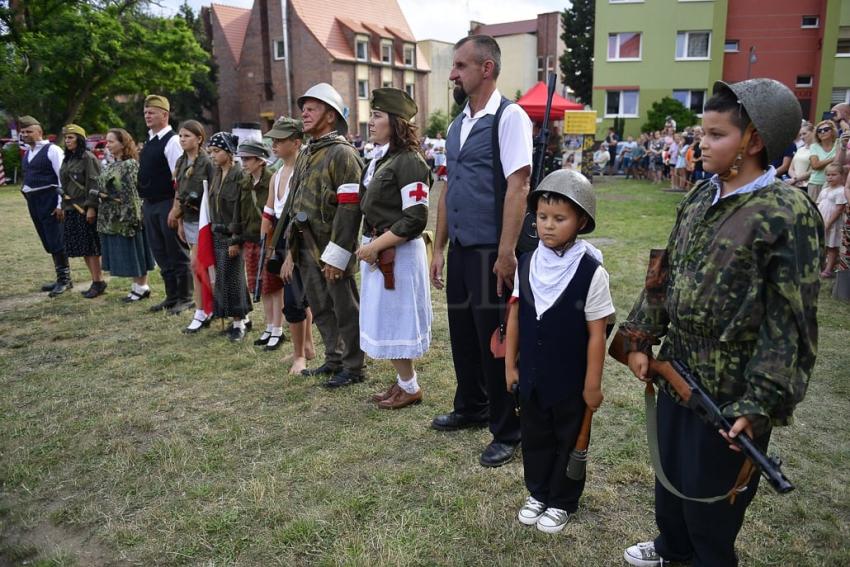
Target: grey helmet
<point x="773" y="110"/>
<point x="329" y="95"/>
<point x="572" y="185"/>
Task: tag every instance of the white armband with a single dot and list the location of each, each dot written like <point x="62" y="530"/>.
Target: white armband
<point x="336" y="256"/>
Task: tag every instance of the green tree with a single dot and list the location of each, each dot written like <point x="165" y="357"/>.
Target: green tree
<point x="69" y="61"/>
<point x="576" y="62"/>
<point x="437" y="122"/>
<point x="667" y="106"/>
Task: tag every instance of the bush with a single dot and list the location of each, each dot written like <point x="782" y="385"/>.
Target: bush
<point x="437" y="122"/>
<point x="12" y="161"/>
<point x="667" y="106"/>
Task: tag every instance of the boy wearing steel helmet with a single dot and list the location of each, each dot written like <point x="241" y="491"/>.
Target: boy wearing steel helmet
<point x="556" y="331"/>
<point x="739" y="310"/>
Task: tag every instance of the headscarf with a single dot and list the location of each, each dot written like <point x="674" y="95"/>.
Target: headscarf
<point x="224" y="141"/>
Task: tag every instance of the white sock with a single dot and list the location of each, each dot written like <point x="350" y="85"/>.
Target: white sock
<point x="239" y="323"/>
<point x="270" y="329"/>
<point x="410" y="386"/>
<point x="140" y="289"/>
<point x="195" y="324"/>
<point x="200" y="315"/>
<point x="275" y="331"/>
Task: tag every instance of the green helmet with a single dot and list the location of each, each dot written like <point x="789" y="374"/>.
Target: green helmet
<point x="773" y="110"/>
<point x="572" y="185"/>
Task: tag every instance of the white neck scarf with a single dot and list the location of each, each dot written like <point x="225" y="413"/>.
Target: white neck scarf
<point x="550" y="274"/>
<point x="377" y="154"/>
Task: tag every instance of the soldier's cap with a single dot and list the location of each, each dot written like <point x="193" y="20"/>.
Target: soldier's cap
<point x="73" y="129"/>
<point x="393" y="101"/>
<point x="157" y="101"/>
<point x="253" y="148"/>
<point x="285" y="127"/>
<point x="27" y="121"/>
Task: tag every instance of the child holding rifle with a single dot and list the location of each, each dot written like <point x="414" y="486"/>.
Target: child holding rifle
<point x="559" y="311"/>
<point x="254" y="194"/>
<point x="736" y="297"/>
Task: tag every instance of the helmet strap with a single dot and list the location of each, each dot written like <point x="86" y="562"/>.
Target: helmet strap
<point x="732" y="172"/>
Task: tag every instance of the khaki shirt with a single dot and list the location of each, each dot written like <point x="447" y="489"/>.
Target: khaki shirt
<point x="397" y="196"/>
<point x="78" y="178"/>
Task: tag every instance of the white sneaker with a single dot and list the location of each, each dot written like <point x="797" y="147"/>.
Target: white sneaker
<point x="643" y="555"/>
<point x="531" y="512"/>
<point x="553" y="520"/>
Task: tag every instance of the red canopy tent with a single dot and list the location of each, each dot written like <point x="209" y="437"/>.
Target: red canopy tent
<point x="534" y="104"/>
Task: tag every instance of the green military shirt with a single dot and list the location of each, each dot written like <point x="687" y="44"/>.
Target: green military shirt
<point x="397" y="196"/>
<point x="325" y="185"/>
<point x="738" y="304"/>
<point x="225" y="203"/>
<point x="253" y="197"/>
<point x="190" y="177"/>
<point x="78" y="177"/>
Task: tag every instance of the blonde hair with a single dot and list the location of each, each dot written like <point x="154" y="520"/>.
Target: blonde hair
<point x="829" y="123"/>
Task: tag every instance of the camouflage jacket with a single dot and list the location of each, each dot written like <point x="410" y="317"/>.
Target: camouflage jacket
<point x="738" y="300"/>
<point x="324" y="185"/>
<point x="79" y="181"/>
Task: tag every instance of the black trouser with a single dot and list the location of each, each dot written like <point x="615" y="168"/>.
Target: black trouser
<point x="294" y="299"/>
<point x="171" y="253"/>
<point x="699" y="463"/>
<point x="473" y="316"/>
<point x="42" y="206"/>
<point x="548" y="437"/>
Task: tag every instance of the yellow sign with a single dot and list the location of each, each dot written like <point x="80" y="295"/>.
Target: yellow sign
<point x="580" y="122"/>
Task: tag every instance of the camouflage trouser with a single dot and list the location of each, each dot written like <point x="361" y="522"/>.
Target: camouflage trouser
<point x="336" y="312"/>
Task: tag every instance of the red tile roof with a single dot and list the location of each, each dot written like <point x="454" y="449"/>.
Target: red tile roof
<point x="381" y="18"/>
<point x="507" y="28"/>
<point x="234" y="22"/>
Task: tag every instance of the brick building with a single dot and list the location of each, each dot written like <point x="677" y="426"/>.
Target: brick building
<point x="355" y="46"/>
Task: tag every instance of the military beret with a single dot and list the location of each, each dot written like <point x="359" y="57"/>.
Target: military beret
<point x="253" y="148"/>
<point x="73" y="129"/>
<point x="285" y="127"/>
<point x="27" y="121"/>
<point x="393" y="101"/>
<point x="157" y="101"/>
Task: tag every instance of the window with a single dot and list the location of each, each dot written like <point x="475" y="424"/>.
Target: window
<point x="842" y="48"/>
<point x="694" y="100"/>
<point x="409" y="88"/>
<point x="693" y="45"/>
<point x="387" y="53"/>
<point x="732" y="46"/>
<point x="362" y="89"/>
<point x="810" y="22"/>
<point x="279" y="51"/>
<point x="541" y="72"/>
<point x="362" y="47"/>
<point x="804" y="81"/>
<point x="621" y="103"/>
<point x="624" y="46"/>
<point x="840" y="95"/>
<point x="409" y="55"/>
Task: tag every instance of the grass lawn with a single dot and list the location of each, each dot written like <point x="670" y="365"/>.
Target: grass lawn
<point x="124" y="442"/>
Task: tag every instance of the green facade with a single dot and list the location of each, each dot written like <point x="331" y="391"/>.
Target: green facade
<point x="834" y="71"/>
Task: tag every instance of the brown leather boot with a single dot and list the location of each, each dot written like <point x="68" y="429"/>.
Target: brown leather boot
<point x="401" y="399"/>
<point x="386" y="394"/>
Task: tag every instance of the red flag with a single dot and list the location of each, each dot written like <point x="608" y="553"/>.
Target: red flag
<point x="205" y="257"/>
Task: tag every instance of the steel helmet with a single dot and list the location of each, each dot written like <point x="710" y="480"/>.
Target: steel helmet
<point x="329" y="95"/>
<point x="572" y="185"/>
<point x="773" y="110"/>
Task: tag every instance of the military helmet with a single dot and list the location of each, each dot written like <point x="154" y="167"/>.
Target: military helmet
<point x="572" y="185"/>
<point x="773" y="110"/>
<point x="328" y="95"/>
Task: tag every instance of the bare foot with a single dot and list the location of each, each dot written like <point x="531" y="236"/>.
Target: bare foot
<point x="310" y="351"/>
<point x="298" y="364"/>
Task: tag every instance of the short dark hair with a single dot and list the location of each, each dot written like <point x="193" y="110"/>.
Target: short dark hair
<point x="486" y="48"/>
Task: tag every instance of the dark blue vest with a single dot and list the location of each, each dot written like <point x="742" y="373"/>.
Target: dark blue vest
<point x="39" y="172"/>
<point x="471" y="201"/>
<point x="155" y="180"/>
<point x="553" y="350"/>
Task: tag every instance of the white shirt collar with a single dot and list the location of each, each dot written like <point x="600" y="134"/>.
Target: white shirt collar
<point x="161" y="133"/>
<point x="762" y="181"/>
<point x="491" y="107"/>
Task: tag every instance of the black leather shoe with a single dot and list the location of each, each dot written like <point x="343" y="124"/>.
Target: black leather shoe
<point x="180" y="306"/>
<point x="48" y="286"/>
<point x="60" y="288"/>
<point x="133" y="297"/>
<point x="248" y="326"/>
<point x="97" y="288"/>
<point x="343" y="378"/>
<point x="264" y="339"/>
<point x="325" y="369"/>
<point x="274" y="342"/>
<point x="236" y="334"/>
<point x="204" y="324"/>
<point x="162" y="305"/>
<point x="497" y="454"/>
<point x="454" y="421"/>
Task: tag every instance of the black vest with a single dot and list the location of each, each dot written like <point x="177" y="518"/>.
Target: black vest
<point x="39" y="172"/>
<point x="553" y="350"/>
<point x="155" y="179"/>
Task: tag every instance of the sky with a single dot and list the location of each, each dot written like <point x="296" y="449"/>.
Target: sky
<point x="447" y="20"/>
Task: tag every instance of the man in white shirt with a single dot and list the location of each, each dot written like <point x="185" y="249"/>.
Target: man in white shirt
<point x="483" y="228"/>
<point x="157" y="162"/>
<point x="42" y="190"/>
